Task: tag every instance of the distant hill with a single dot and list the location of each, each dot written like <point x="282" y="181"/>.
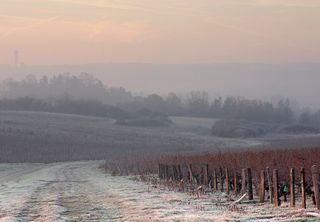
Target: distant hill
<point x="297" y="81"/>
<point x="50" y="137"/>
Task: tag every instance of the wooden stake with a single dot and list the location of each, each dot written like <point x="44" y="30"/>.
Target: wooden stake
<point x="292" y="188"/>
<point x="206" y="174"/>
<point x="215" y="181"/>
<point x="303" y="188"/>
<point x="270" y="186"/>
<point x="262" y="188"/>
<point x="235" y="183"/>
<point x="227" y="181"/>
<point x="316" y="180"/>
<point x="249" y="184"/>
<point x="243" y="181"/>
<point x="180" y="175"/>
<point x="221" y="179"/>
<point x="163" y="169"/>
<point x="166" y="170"/>
<point x="174" y="172"/>
<point x="160" y="171"/>
<point x="190" y="173"/>
<point x="275" y="187"/>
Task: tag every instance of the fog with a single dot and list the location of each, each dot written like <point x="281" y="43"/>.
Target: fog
<point x="116" y="110"/>
<point x="299" y="82"/>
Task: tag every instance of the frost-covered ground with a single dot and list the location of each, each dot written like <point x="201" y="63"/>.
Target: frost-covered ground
<point x="80" y="191"/>
<point x="49" y="137"/>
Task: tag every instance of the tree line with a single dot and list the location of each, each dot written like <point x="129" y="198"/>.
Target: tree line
<point x="198" y="104"/>
<point x="86" y="95"/>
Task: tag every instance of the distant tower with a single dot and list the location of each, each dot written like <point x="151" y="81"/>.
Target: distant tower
<point x="16" y="58"/>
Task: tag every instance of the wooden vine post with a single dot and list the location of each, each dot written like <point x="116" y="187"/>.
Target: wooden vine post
<point x="163" y="170"/>
<point x="206" y="174"/>
<point x="303" y="188"/>
<point x="227" y="181"/>
<point x="166" y="170"/>
<point x="249" y="184"/>
<point x="159" y="170"/>
<point x="316" y="180"/>
<point x="292" y="188"/>
<point x="275" y="187"/>
<point x="175" y="173"/>
<point x="235" y="182"/>
<point x="262" y="188"/>
<point x="215" y="181"/>
<point x="180" y="175"/>
<point x="270" y="186"/>
<point x="190" y="173"/>
<point x="243" y="181"/>
<point x="221" y="180"/>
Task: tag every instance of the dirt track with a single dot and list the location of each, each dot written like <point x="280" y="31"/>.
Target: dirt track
<point x="57" y="192"/>
<point x="79" y="191"/>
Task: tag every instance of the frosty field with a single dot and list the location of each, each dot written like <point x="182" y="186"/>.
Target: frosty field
<point x="47" y="137"/>
<point x="80" y="191"/>
<point x="49" y="171"/>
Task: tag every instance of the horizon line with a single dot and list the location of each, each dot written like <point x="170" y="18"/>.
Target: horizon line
<point x="146" y="63"/>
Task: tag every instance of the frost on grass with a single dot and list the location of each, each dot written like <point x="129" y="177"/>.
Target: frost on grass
<point x="79" y="191"/>
<point x="48" y="137"/>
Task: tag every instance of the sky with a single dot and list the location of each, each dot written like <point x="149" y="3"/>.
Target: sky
<point x="160" y="32"/>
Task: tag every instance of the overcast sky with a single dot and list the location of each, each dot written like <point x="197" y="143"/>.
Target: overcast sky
<point x="160" y="31"/>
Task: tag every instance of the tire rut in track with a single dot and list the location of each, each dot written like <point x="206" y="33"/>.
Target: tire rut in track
<point x="42" y="205"/>
<point x="69" y="192"/>
<point x="83" y="200"/>
<point x="69" y="195"/>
